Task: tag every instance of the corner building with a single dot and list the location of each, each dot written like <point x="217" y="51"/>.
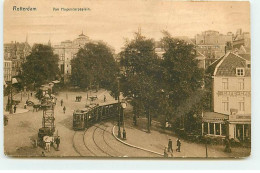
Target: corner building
<point x="231" y="98"/>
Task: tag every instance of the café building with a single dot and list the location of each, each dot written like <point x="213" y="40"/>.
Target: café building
<point x="231" y="98"/>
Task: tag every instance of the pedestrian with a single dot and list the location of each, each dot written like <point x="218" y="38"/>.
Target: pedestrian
<point x="228" y="147"/>
<point x="14" y="108"/>
<point x="80" y="98"/>
<point x="165" y="154"/>
<point x="25" y="105"/>
<point x="134" y="120"/>
<point x="61" y="102"/>
<point x="170" y="146"/>
<point x="105" y="98"/>
<point x="178" y="145"/>
<point x="31" y="94"/>
<point x="64" y="109"/>
<point x="58" y="142"/>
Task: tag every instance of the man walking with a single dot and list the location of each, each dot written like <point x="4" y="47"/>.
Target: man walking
<point x="64" y="109"/>
<point x="14" y="108"/>
<point x="61" y="102"/>
<point x="178" y="145"/>
<point x="170" y="146"/>
<point x="105" y="98"/>
<point x="58" y="142"/>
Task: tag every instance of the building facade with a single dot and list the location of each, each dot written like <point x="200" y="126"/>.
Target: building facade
<point x="7" y="71"/>
<point x="66" y="51"/>
<point x="212" y="45"/>
<point x="17" y="53"/>
<point x="231" y="98"/>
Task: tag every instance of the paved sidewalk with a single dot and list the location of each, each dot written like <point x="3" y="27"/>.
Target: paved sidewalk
<point x="18" y="111"/>
<point x="156" y="142"/>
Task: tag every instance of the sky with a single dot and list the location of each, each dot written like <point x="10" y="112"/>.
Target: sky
<point x="115" y="20"/>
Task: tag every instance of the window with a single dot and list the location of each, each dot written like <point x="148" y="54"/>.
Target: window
<point x="223" y="129"/>
<point x="225" y="104"/>
<point x="217" y="127"/>
<point x="240" y="71"/>
<point x="62" y="56"/>
<point x="211" y="128"/>
<point x="241" y="104"/>
<point x="225" y="83"/>
<point x="206" y="128"/>
<point x="241" y="84"/>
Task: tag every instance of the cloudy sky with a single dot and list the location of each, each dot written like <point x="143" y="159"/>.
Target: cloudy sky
<point x="114" y="20"/>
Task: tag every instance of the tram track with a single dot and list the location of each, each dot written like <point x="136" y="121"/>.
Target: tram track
<point x="93" y="137"/>
<point x="79" y="145"/>
<point x="73" y="141"/>
<point x="118" y="153"/>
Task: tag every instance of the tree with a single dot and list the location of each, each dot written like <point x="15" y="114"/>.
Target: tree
<point x="182" y="79"/>
<point x="41" y="66"/>
<point x="139" y="83"/>
<point x="94" y="65"/>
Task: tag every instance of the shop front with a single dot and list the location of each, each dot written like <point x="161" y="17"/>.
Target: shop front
<point x="240" y="127"/>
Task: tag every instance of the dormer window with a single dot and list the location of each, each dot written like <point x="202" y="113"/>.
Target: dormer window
<point x="240" y="71"/>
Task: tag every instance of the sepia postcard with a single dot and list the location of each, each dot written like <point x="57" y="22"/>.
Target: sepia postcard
<point x="127" y="79"/>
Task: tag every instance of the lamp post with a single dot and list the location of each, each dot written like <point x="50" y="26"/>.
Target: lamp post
<point x="123" y="104"/>
<point x="119" y="106"/>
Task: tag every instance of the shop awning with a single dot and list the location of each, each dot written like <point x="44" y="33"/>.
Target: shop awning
<point x="214" y="117"/>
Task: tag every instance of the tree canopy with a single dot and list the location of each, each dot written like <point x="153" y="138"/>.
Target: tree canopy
<point x="41" y="66"/>
<point x="163" y="86"/>
<point x="94" y="65"/>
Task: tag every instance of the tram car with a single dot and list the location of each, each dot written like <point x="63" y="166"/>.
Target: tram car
<point x="86" y="117"/>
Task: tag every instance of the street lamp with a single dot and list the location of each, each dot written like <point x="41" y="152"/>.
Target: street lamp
<point x="123" y="104"/>
<point x="119" y="106"/>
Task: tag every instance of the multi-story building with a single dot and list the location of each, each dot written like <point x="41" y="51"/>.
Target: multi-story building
<point x="66" y="51"/>
<point x="16" y="52"/>
<point x="212" y="45"/>
<point x="7" y="71"/>
<point x="231" y="98"/>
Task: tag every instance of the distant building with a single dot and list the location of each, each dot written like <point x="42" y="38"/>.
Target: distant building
<point x="66" y="51"/>
<point x="17" y="53"/>
<point x="212" y="45"/>
<point x="231" y="98"/>
<point x="7" y="71"/>
<point x="242" y="41"/>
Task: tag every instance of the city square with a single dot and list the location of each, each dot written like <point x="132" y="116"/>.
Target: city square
<point x="82" y="92"/>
